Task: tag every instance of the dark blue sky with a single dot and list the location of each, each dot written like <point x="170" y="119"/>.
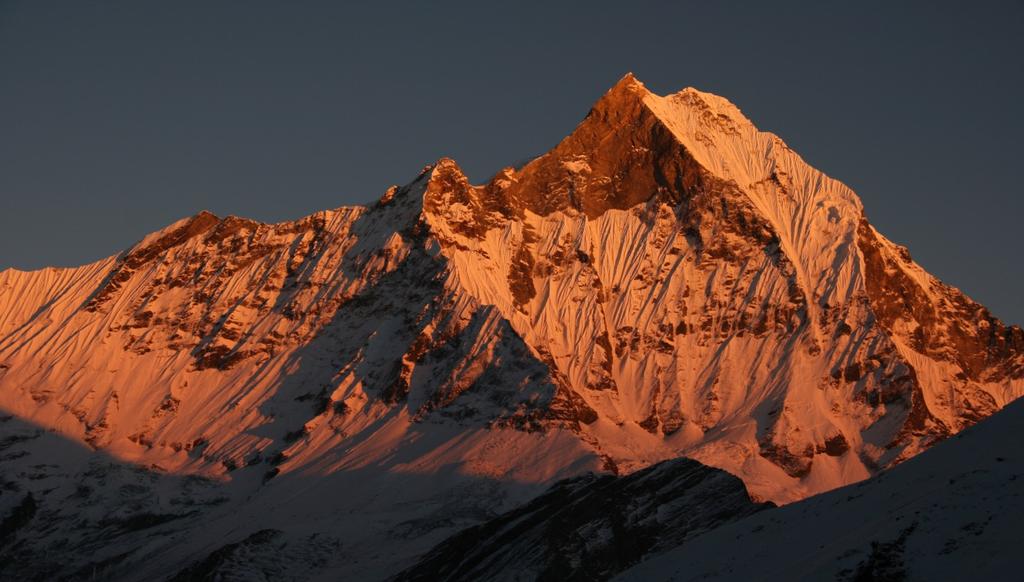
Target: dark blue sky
<point x="118" y="117"/>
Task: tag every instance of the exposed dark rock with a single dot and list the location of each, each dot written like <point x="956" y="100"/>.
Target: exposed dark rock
<point x="986" y="351"/>
<point x="885" y="561"/>
<point x="209" y="568"/>
<point x="591" y="527"/>
<point x="18" y="518"/>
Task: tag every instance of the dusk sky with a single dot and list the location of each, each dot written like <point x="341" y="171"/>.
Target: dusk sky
<point x="117" y="118"/>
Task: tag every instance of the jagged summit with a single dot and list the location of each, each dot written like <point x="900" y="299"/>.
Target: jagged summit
<point x="634" y="145"/>
<point x="628" y="109"/>
<point x="574" y="175"/>
<point x="625" y="89"/>
<point x="667" y="281"/>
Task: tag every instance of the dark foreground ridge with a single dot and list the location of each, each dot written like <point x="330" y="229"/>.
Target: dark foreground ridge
<point x="952" y="513"/>
<point x="591" y="527"/>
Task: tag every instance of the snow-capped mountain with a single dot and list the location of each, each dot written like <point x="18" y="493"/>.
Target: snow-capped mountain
<point x="667" y="281"/>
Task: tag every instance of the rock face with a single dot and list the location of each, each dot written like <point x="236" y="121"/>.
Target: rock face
<point x="668" y="281"/>
<point x="592" y="527"/>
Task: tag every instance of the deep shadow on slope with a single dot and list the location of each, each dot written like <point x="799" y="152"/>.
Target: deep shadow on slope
<point x="591" y="527"/>
<point x="954" y="512"/>
<point x="71" y="513"/>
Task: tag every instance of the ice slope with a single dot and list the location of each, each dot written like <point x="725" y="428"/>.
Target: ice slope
<point x="953" y="513"/>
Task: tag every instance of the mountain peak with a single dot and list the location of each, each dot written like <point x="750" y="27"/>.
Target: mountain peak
<point x="445" y="165"/>
<point x="628" y="82"/>
<point x="667" y="281"/>
<point x="623" y="99"/>
<point x="716" y="104"/>
<point x="605" y="163"/>
<point x="180" y="230"/>
<point x="445" y="176"/>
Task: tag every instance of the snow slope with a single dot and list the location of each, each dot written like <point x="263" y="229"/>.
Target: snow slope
<point x="952" y="513"/>
<point x="667" y="281"/>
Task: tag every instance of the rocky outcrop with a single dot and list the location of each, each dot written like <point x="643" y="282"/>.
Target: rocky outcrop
<point x="591" y="527"/>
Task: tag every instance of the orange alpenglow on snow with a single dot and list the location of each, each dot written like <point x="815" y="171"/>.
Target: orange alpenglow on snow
<point x="668" y="281"/>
